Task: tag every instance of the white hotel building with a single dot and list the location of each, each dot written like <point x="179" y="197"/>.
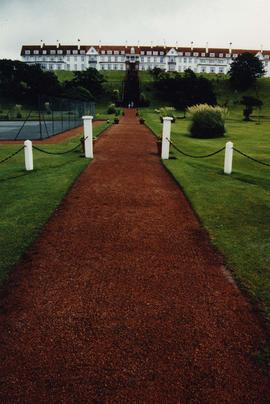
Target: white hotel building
<point x="80" y="57"/>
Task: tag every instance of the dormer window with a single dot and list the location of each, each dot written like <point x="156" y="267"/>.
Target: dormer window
<point x="109" y="52"/>
<point x="180" y="53"/>
<point x="162" y="53"/>
<point x="60" y="52"/>
<point x="82" y="52"/>
<point x="103" y="52"/>
<point x="235" y="55"/>
<point x="221" y="55"/>
<point x="27" y="52"/>
<point x="52" y="52"/>
<point x="155" y="53"/>
<point x="187" y="54"/>
<point x="68" y="52"/>
<point x="44" y="52"/>
<point x="142" y="52"/>
<point x="75" y="52"/>
<point x="149" y="53"/>
<point x="122" y="52"/>
<point x="116" y="52"/>
<point x="36" y="52"/>
<point x="228" y="55"/>
<point x="212" y="55"/>
<point x="132" y="50"/>
<point x="203" y="54"/>
<point x="195" y="54"/>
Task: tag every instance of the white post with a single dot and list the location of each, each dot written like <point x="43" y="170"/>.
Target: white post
<point x="228" y="158"/>
<point x="166" y="137"/>
<point x="28" y="155"/>
<point x="88" y="136"/>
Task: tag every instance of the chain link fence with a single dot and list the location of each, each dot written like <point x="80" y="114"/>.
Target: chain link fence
<point x="50" y="116"/>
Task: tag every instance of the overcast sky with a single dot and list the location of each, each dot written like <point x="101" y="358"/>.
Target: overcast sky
<point x="245" y="23"/>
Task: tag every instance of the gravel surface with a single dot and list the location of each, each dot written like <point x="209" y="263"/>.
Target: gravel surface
<point x="122" y="298"/>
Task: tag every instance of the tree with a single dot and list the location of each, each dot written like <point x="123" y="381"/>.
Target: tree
<point x="244" y="71"/>
<point x="250" y="102"/>
<point x="90" y="79"/>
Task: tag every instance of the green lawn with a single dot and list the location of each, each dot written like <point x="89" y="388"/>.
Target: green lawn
<point x="234" y="209"/>
<point x="27" y="199"/>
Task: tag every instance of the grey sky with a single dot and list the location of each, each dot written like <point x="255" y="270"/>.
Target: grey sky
<point x="242" y="22"/>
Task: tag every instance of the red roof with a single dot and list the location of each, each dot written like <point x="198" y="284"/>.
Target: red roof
<point x="137" y="49"/>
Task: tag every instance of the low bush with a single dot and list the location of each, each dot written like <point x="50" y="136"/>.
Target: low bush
<point x="207" y="121"/>
<point x="111" y="109"/>
<point x="166" y="111"/>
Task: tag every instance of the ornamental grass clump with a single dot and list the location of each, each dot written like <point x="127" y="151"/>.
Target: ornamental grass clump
<point x="207" y="121"/>
<point x="166" y="111"/>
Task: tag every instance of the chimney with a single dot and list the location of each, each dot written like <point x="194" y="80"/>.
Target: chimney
<point x="79" y="45"/>
<point x="176" y="45"/>
<point x="261" y="49"/>
<point x="58" y="44"/>
<point x="99" y="44"/>
<point x="191" y="46"/>
<point x="126" y="44"/>
<point x="230" y="48"/>
<point x="41" y="44"/>
<point x="206" y="48"/>
<point x="151" y="44"/>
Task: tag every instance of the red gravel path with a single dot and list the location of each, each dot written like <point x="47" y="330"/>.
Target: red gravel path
<point x="122" y="298"/>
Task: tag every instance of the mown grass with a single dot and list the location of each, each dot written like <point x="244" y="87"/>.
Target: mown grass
<point x="234" y="209"/>
<point x="27" y="199"/>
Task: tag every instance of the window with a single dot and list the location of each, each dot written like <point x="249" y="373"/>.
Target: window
<point x="195" y="54"/>
<point x="109" y="52"/>
<point x="185" y="60"/>
<point x="75" y="52"/>
<point x="212" y="55"/>
<point x="60" y="52"/>
<point x="116" y="52"/>
<point x="155" y="53"/>
<point x="122" y="52"/>
<point x="203" y="54"/>
<point x="103" y="52"/>
<point x="221" y="70"/>
<point x="82" y="52"/>
<point x="212" y="70"/>
<point x="52" y="52"/>
<point x="221" y="55"/>
<point x="142" y="52"/>
<point x="235" y="55"/>
<point x="228" y="55"/>
<point x="75" y="58"/>
<point x="187" y="53"/>
<point x="68" y="52"/>
<point x="162" y="53"/>
<point x="27" y="52"/>
<point x="68" y="58"/>
<point x="149" y="53"/>
<point x="44" y="52"/>
<point x="36" y="52"/>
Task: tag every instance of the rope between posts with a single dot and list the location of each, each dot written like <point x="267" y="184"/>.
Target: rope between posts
<point x="57" y="153"/>
<point x="195" y="157"/>
<point x="251" y="158"/>
<point x="11" y="155"/>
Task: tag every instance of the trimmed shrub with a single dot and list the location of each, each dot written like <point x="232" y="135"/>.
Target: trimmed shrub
<point x="207" y="121"/>
<point x="111" y="109"/>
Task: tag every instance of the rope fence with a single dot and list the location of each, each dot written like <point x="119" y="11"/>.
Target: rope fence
<point x="192" y="156"/>
<point x="12" y="155"/>
<point x="251" y="158"/>
<point x="57" y="153"/>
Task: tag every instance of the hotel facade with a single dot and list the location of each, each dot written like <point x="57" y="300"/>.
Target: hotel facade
<point x="80" y="57"/>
